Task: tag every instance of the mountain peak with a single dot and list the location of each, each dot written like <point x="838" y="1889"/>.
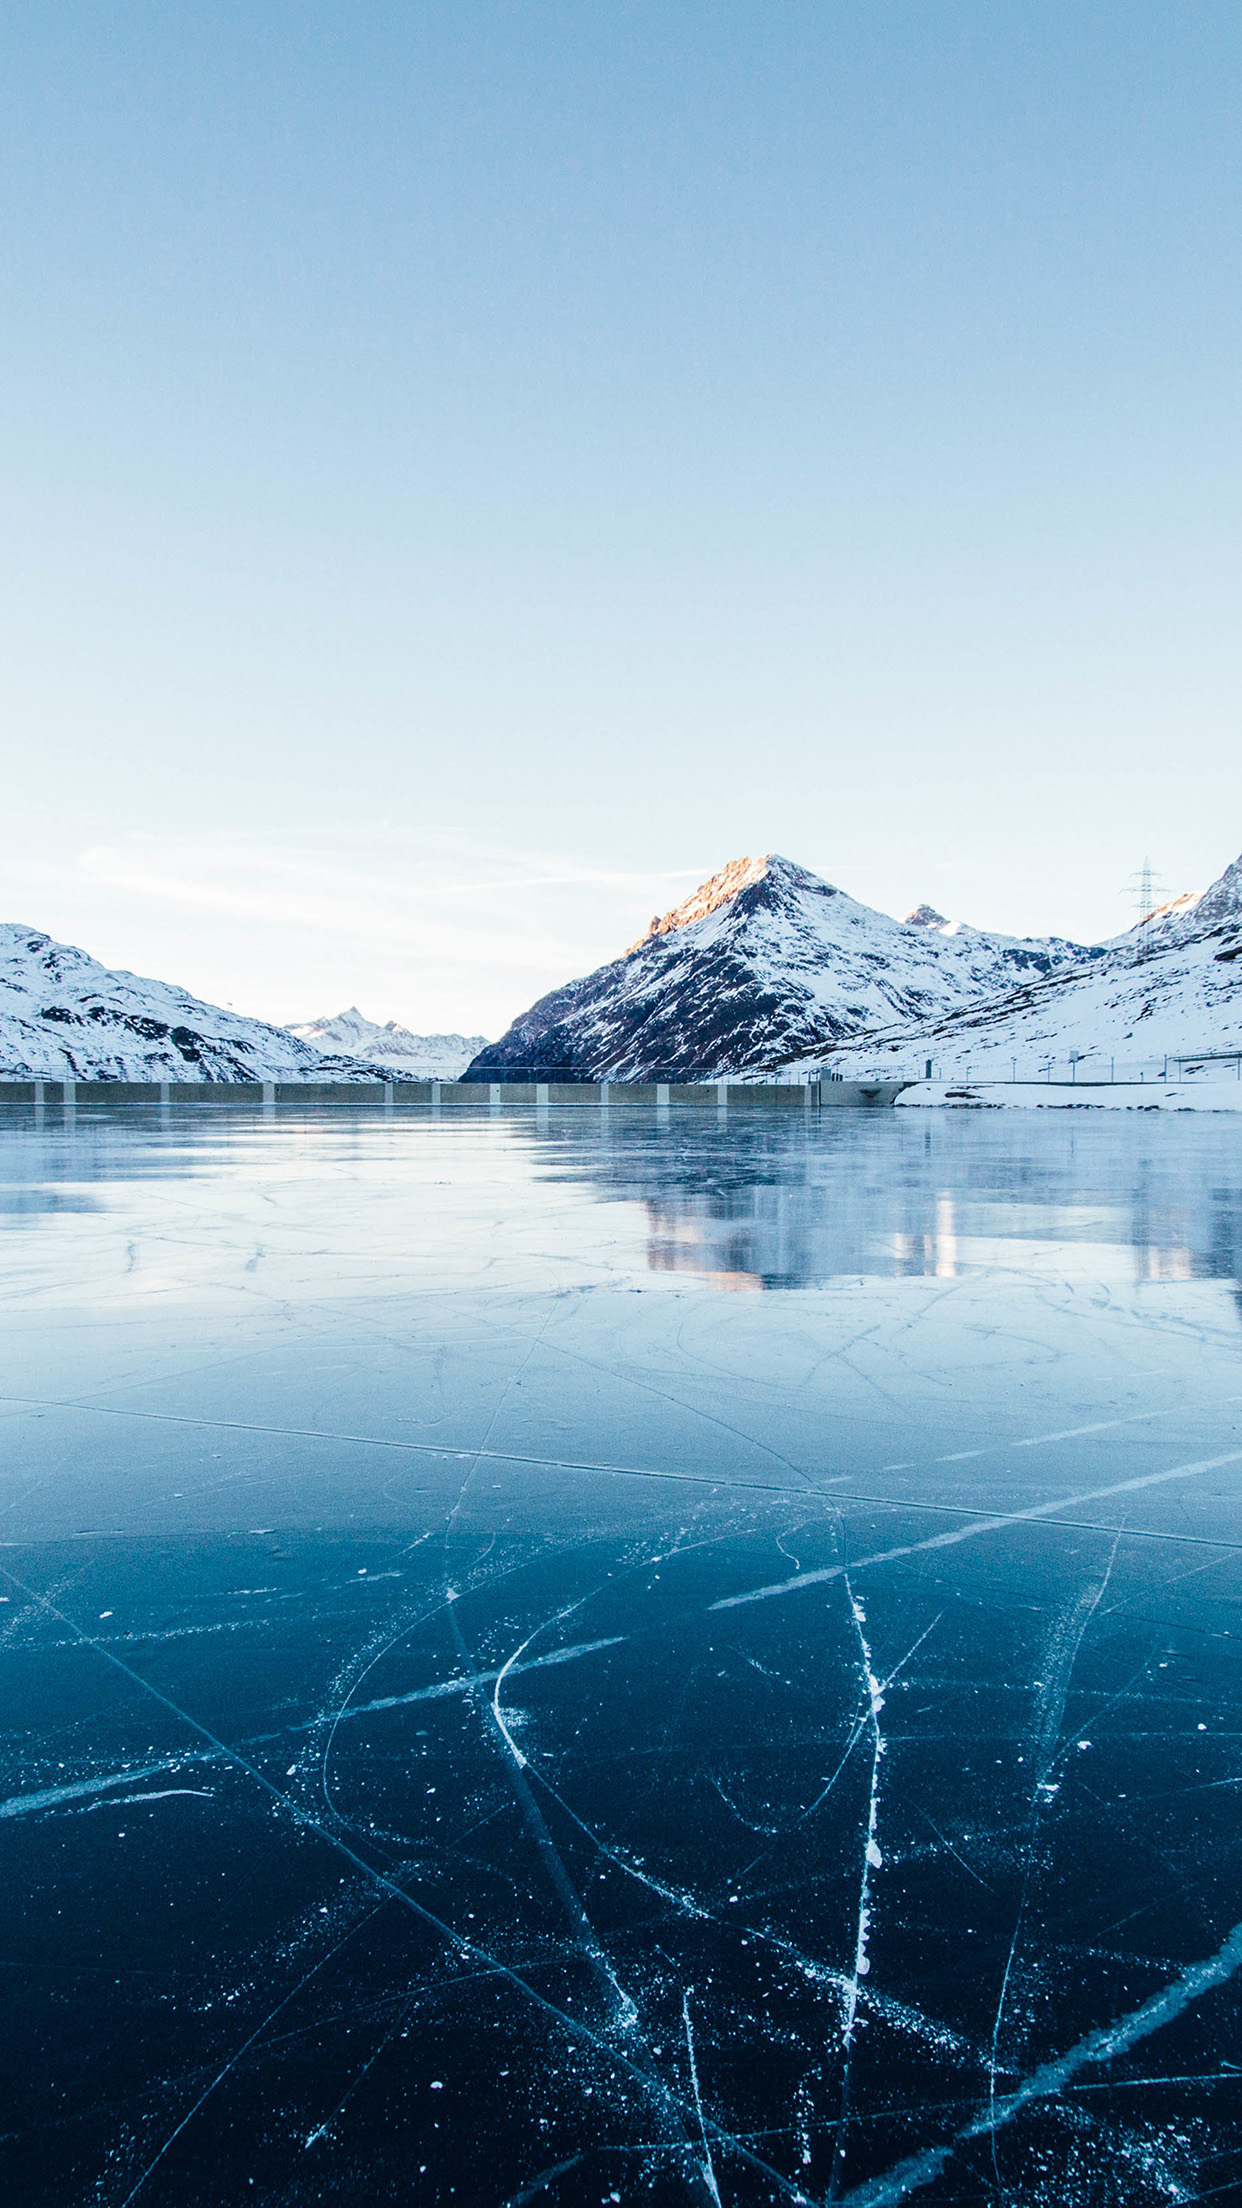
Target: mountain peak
<point x="736" y="876"/>
<point x="722" y="888"/>
<point x="925" y="916"/>
<point x="418" y="1057"/>
<point x="763" y="961"/>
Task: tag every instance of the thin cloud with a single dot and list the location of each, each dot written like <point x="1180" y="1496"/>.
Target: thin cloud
<point x="400" y="918"/>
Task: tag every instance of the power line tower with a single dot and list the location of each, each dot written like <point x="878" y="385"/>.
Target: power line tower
<point x="1146" y="891"/>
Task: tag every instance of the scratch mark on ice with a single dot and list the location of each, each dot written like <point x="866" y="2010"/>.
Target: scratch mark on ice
<point x="625" y="2011"/>
<point x="993" y="1524"/>
<point x="872" y="1858"/>
<point x="50" y="1797"/>
<point x="460" y="1944"/>
<point x="1051" y="2078"/>
<point x="476" y="1679"/>
<point x="709" y="2168"/>
<point x="1063" y="1654"/>
<point x="540" y="2184"/>
<point x="244" y="2049"/>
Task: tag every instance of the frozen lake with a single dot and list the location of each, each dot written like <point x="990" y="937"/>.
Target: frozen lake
<point x="568" y="1658"/>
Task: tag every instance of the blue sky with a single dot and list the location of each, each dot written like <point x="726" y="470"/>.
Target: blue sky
<point x="471" y="469"/>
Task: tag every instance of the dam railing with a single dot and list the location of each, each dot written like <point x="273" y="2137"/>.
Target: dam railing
<point x="463" y="1096"/>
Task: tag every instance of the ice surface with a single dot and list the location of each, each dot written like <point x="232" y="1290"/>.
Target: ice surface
<point x="579" y="1657"/>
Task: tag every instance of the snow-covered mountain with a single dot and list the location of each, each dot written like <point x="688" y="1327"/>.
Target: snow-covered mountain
<point x="762" y="961"/>
<point x="1170" y="988"/>
<point x="411" y="1057"/>
<point x="1219" y="906"/>
<point x="764" y="967"/>
<point x="63" y="1014"/>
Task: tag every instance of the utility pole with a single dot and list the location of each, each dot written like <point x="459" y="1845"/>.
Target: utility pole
<point x="1145" y="889"/>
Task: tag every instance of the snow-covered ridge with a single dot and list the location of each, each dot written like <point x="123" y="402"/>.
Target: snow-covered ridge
<point x="1170" y="988"/>
<point x="63" y="1015"/>
<point x="763" y="961"/>
<point x="411" y="1057"/>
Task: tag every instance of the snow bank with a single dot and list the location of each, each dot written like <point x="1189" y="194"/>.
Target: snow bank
<point x="1045" y="1096"/>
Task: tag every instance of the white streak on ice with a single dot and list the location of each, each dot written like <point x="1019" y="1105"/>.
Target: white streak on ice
<point x="166" y="1794"/>
<point x="473" y="1680"/>
<point x="1052" y="2077"/>
<point x="709" y="2168"/>
<point x="50" y="1797"/>
<point x="973" y="1529"/>
<point x="871" y="1847"/>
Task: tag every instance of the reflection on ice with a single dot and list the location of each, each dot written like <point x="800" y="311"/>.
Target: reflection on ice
<point x="476" y="1729"/>
<point x="789" y="1206"/>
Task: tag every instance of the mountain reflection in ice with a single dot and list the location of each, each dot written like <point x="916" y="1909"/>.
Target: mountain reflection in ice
<point x="780" y="1206"/>
<point x="488" y="1716"/>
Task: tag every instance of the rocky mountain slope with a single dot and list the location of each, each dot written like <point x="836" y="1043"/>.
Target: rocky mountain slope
<point x="1172" y="988"/>
<point x="405" y="1056"/>
<point x="63" y="1014"/>
<point x="762" y="961"/>
<point x="1219" y="906"/>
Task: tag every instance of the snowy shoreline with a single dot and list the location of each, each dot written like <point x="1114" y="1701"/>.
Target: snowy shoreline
<point x="1043" y="1096"/>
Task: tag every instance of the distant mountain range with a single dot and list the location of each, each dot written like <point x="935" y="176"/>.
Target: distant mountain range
<point x="1170" y="987"/>
<point x="764" y="961"/>
<point x="405" y="1057"/>
<point x="765" y="968"/>
<point x="63" y="1014"/>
